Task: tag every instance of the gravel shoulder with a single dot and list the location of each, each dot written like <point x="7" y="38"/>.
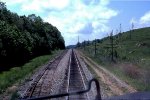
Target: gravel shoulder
<point x="111" y="85"/>
<point x="52" y="78"/>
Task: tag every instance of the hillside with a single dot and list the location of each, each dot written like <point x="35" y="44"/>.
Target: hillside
<point x="131" y="56"/>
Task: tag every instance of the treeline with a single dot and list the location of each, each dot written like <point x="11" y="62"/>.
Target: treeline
<point x="87" y="43"/>
<point x="22" y="38"/>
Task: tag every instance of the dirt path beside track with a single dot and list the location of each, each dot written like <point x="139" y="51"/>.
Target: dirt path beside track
<point x="110" y="84"/>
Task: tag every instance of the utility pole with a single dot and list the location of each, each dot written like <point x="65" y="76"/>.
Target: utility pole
<point x="78" y="38"/>
<point x="120" y="28"/>
<point x="132" y="25"/>
<point x="88" y="43"/>
<point x="116" y="31"/>
<point x="78" y="44"/>
<point x="130" y="33"/>
<point x="84" y="44"/>
<point x="112" y="46"/>
<point x="131" y="29"/>
<point x="95" y="47"/>
<point x="119" y="35"/>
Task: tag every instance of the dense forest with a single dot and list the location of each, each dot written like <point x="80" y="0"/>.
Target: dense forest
<point x="25" y="37"/>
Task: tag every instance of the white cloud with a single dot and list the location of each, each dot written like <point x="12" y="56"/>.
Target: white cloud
<point x="12" y="2"/>
<point x="75" y="18"/>
<point x="145" y="19"/>
<point x="35" y="5"/>
<point x="72" y="16"/>
<point x="39" y="5"/>
<point x="104" y="2"/>
<point x="58" y="4"/>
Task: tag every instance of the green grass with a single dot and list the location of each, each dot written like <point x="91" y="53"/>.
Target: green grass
<point x="134" y="50"/>
<point x="16" y="74"/>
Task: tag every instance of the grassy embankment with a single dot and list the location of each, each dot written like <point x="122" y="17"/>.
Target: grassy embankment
<point x="17" y="74"/>
<point x="132" y="57"/>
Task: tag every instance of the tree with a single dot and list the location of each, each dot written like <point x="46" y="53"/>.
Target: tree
<point x="26" y="37"/>
<point x="2" y="5"/>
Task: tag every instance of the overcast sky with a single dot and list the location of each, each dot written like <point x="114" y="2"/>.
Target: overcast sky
<point x="88" y="19"/>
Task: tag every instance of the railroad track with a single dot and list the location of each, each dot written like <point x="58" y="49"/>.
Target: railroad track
<point x="74" y="80"/>
<point x="38" y="87"/>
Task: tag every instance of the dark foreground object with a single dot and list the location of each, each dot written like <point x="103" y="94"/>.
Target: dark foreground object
<point x="98" y="97"/>
<point x="132" y="96"/>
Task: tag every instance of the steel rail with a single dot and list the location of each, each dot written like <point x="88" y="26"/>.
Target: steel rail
<point x="34" y="84"/>
<point x="68" y="75"/>
<point x="98" y="97"/>
<point x="79" y="65"/>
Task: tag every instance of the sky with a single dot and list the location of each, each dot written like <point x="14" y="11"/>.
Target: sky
<point x="86" y="19"/>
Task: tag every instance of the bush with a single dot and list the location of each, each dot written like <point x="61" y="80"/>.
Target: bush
<point x="132" y="71"/>
<point x="16" y="74"/>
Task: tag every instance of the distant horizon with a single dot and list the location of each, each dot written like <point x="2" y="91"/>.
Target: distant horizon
<point x="105" y="36"/>
<point x="88" y="19"/>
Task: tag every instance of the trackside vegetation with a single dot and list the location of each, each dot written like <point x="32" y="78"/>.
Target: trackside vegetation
<point x="131" y="56"/>
<point x="18" y="74"/>
<point x="25" y="37"/>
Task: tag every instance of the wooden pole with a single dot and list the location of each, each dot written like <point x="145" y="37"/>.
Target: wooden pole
<point x="95" y="47"/>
